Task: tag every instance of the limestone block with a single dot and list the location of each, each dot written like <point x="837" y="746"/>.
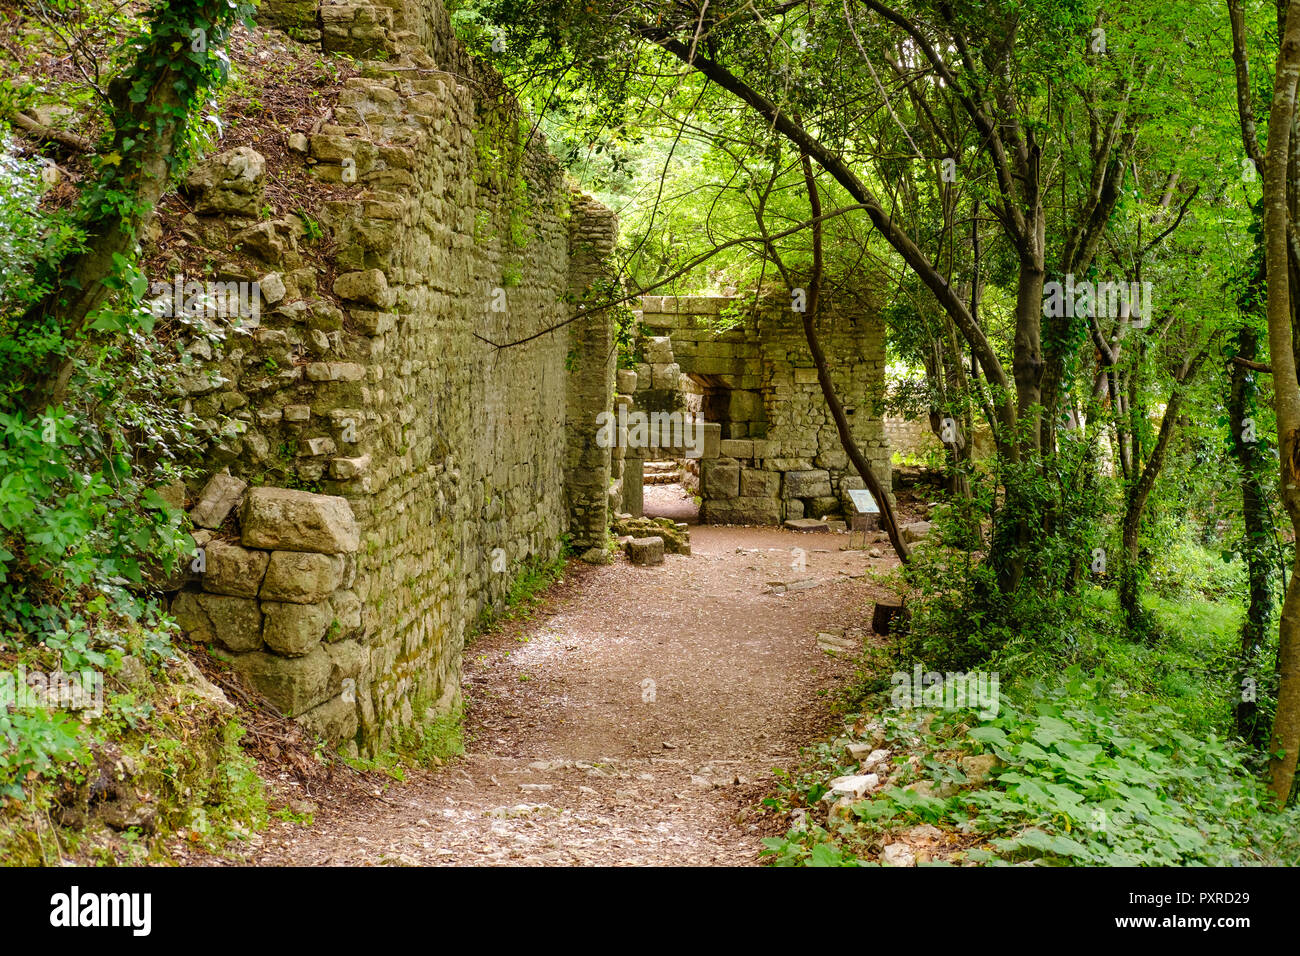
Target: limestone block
<point x="916" y="531"/>
<point x="345" y="469"/>
<point x="644" y="376"/>
<point x="335" y="372"/>
<point x="229" y="183"/>
<point x="293" y="685"/>
<point x="347" y="659"/>
<point x="335" y="720"/>
<point x="294" y="629"/>
<point x="658" y="350"/>
<point x="746" y="511"/>
<point x="627" y="379"/>
<point x="233" y="570"/>
<point x="283" y="519"/>
<point x="756" y="483"/>
<point x="666" y="376"/>
<point x="633" y="486"/>
<point x="712" y="439"/>
<point x="297" y="413"/>
<point x="807" y="484"/>
<point x="219" y="496"/>
<point x="736" y="448"/>
<point x="646" y="551"/>
<point x="271" y="288"/>
<point x="301" y="577"/>
<point x="721" y="478"/>
<point x="824" y="505"/>
<point x="744" y="406"/>
<point x="315" y="447"/>
<point x="233" y="622"/>
<point x="806" y="525"/>
<point x="369" y="287"/>
<point x="347" y="611"/>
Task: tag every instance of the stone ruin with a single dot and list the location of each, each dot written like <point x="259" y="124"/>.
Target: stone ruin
<point x="402" y="431"/>
<point x="770" y="450"/>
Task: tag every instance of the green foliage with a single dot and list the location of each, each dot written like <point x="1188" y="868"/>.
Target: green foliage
<point x="37" y="743"/>
<point x="1083" y="778"/>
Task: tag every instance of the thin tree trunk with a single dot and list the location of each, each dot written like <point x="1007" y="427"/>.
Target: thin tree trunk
<point x="1285" y="739"/>
<point x="1255" y="547"/>
<point x="887" y="515"/>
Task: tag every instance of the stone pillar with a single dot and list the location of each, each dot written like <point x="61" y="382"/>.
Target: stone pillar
<point x="634" y="486"/>
<point x="590" y="386"/>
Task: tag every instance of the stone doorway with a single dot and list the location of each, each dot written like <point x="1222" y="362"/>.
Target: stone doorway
<point x="667" y="491"/>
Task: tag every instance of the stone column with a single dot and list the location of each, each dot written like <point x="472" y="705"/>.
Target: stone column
<point x="634" y="486"/>
<point x="590" y="387"/>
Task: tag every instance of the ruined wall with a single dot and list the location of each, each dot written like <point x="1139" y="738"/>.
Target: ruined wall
<point x="379" y="379"/>
<point x="779" y="455"/>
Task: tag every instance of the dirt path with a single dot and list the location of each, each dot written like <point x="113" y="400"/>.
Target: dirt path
<point x="635" y="720"/>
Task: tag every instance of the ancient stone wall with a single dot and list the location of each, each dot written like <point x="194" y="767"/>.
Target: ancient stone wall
<point x="777" y="455"/>
<point x="413" y="375"/>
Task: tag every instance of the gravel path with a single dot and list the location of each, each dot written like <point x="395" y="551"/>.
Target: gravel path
<point x="635" y="719"/>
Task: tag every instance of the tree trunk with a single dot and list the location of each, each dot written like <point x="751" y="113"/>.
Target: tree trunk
<point x="1285" y="737"/>
<point x="1257" y="539"/>
<point x="151" y="112"/>
<point x="887" y="515"/>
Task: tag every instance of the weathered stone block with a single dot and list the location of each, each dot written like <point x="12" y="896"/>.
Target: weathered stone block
<point x="334" y="720"/>
<point x="335" y="372"/>
<point x="744" y="406"/>
<point x="755" y="483"/>
<point x="806" y="484"/>
<point x="347" y="611"/>
<point x="824" y="505"/>
<point x="321" y="445"/>
<point x="231" y="569"/>
<point x="369" y="287"/>
<point x="666" y="376"/>
<point x="646" y="551"/>
<point x="744" y="511"/>
<point x="219" y="496"/>
<point x="627" y="379"/>
<point x="282" y="519"/>
<point x="293" y="685"/>
<point x="721" y="478"/>
<point x="294" y="629"/>
<point x="233" y="622"/>
<point x="712" y="439"/>
<point x="345" y="469"/>
<point x="347" y="659"/>
<point x="916" y="531"/>
<point x="229" y="183"/>
<point x="806" y="524"/>
<point x="736" y="448"/>
<point x="658" y="350"/>
<point x="301" y="577"/>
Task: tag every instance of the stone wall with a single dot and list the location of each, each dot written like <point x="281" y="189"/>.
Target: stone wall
<point x="279" y="599"/>
<point x="778" y="454"/>
<point x="411" y="374"/>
